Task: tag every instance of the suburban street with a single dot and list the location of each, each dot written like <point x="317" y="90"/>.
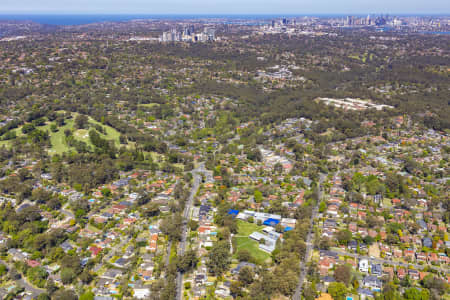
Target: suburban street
<point x="67" y="212"/>
<point x="309" y="244"/>
<point x="169" y="247"/>
<point x="182" y="246"/>
<point x="22" y="282"/>
<point x="251" y="150"/>
<point x="386" y="261"/>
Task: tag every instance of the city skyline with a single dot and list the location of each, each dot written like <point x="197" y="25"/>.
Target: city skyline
<point x="223" y="7"/>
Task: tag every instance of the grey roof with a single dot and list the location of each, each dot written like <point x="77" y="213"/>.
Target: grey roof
<point x="121" y="261"/>
<point x="66" y="246"/>
<point x="154" y="230"/>
<point x="329" y="253"/>
<point x="372" y="280"/>
<point x="328" y="279"/>
<point x="377" y="269"/>
<point x="422" y="224"/>
<point x="366" y="292"/>
<point x="330" y="222"/>
<point x="113" y="273"/>
<point x="103" y="298"/>
<point x="122" y="182"/>
<point x="427" y="242"/>
<point x="241" y="265"/>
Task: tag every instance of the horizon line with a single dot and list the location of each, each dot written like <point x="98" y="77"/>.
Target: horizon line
<point x="224" y="14"/>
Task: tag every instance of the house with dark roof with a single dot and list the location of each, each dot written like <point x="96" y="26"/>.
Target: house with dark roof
<point x="241" y="265"/>
<point x="122" y="182"/>
<point x="372" y="282"/>
<point x="328" y="253"/>
<point x="112" y="274"/>
<point x="414" y="274"/>
<point x="376" y="269"/>
<point x="17" y="254"/>
<point x="422" y="224"/>
<point x="66" y="246"/>
<point x="328" y="279"/>
<point x="353" y="245"/>
<point x="103" y="298"/>
<point x="330" y="224"/>
<point x="427" y="242"/>
<point x="122" y="262"/>
<point x="200" y="278"/>
<point x="364" y="293"/>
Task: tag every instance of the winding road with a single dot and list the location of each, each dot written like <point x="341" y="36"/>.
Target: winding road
<point x="67" y="212"/>
<point x="23" y="283"/>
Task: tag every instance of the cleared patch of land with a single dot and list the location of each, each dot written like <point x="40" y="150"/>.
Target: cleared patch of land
<point x="242" y="241"/>
<point x="58" y="139"/>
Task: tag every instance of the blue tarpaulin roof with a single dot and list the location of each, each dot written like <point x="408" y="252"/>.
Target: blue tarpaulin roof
<point x="234" y="212"/>
<point x="288" y="228"/>
<point x="271" y="222"/>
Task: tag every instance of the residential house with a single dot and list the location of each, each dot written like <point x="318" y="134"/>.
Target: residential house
<point x="414" y="274"/>
<point x="365" y="293"/>
<point x="376" y="269"/>
<point x="66" y="246"/>
<point x="364" y="265"/>
<point x="421" y="256"/>
<point x="325" y="264"/>
<point x="17" y="255"/>
<point x="113" y="274"/>
<point x="95" y="250"/>
<point x="373" y="283"/>
<point x="141" y="293"/>
<point x="427" y="242"/>
<point x="401" y="273"/>
<point x="222" y="291"/>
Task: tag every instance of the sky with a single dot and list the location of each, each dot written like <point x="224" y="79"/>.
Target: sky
<point x="224" y="6"/>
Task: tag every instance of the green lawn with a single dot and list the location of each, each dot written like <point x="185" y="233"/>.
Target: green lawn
<point x="246" y="228"/>
<point x="57" y="139"/>
<point x="111" y="133"/>
<point x="93" y="228"/>
<point x="149" y="105"/>
<point x="253" y="246"/>
<point x="5" y="143"/>
<point x="387" y="202"/>
<point x="244" y="242"/>
<point x="180" y="165"/>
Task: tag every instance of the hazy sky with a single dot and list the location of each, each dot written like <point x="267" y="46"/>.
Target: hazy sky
<point x="225" y="6"/>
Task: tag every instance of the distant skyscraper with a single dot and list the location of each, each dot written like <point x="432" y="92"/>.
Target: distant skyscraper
<point x="211" y="33"/>
<point x="380" y="21"/>
<point x="368" y="20"/>
<point x="187" y="34"/>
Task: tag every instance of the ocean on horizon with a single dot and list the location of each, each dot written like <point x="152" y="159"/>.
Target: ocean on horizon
<point x="81" y="19"/>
